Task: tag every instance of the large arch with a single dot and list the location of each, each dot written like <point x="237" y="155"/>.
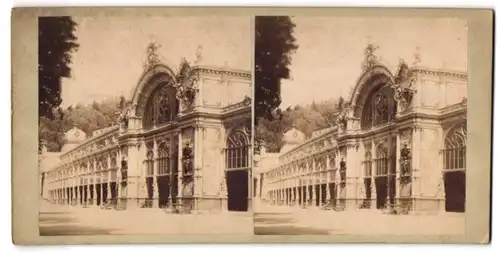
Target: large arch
<point x="238" y="166"/>
<point x="370" y="80"/>
<point x="150" y="80"/>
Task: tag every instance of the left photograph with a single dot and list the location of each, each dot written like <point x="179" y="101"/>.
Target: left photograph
<point x="145" y="125"/>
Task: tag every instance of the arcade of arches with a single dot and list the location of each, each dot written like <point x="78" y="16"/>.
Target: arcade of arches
<point x="165" y="152"/>
<point x="384" y="153"/>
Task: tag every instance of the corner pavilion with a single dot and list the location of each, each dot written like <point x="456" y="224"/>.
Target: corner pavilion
<point x="399" y="143"/>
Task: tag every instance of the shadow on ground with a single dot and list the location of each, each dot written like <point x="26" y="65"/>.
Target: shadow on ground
<point x="56" y="224"/>
<point x="282" y="224"/>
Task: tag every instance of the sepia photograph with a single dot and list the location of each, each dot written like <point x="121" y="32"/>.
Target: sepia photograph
<point x="360" y="125"/>
<point x="145" y="125"/>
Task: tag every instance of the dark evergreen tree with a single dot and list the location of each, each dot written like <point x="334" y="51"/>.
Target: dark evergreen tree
<point x="274" y="45"/>
<point x="56" y="43"/>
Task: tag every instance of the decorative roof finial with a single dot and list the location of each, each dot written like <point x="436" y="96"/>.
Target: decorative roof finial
<point x="416" y="56"/>
<point x="199" y="52"/>
<point x="371" y="58"/>
<point x="152" y="57"/>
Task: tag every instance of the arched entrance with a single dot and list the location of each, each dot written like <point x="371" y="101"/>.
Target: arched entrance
<point x="238" y="168"/>
<point x="454" y="155"/>
<point x="376" y="107"/>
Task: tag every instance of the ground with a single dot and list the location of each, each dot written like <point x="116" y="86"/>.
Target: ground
<point x="276" y="220"/>
<point x="75" y="220"/>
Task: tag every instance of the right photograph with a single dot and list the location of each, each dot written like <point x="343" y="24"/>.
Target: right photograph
<point x="360" y="125"/>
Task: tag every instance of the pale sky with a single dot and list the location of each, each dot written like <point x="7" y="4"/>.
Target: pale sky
<point x="328" y="61"/>
<point x="112" y="50"/>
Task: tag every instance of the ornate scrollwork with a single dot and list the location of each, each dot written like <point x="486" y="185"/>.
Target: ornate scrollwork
<point x="343" y="118"/>
<point x="187" y="82"/>
<point x="403" y="84"/>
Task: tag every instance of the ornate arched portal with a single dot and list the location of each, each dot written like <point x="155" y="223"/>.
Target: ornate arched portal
<point x="374" y="104"/>
<point x="238" y="166"/>
<point x="454" y="154"/>
<point x="161" y="107"/>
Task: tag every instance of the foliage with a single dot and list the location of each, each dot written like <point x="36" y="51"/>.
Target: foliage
<point x="309" y="118"/>
<point x="274" y="44"/>
<point x="56" y="43"/>
<point x="86" y="117"/>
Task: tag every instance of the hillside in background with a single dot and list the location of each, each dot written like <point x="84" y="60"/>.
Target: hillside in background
<point x="308" y="118"/>
<point x="88" y="118"/>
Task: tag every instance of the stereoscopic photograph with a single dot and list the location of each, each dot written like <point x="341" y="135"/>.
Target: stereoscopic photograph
<point x="251" y="125"/>
<point x="361" y="125"/>
<point x="145" y="125"/>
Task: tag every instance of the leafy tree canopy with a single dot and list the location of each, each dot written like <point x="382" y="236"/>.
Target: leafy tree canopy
<point x="88" y="118"/>
<point x="274" y="44"/>
<point x="56" y="43"/>
<point x="308" y="118"/>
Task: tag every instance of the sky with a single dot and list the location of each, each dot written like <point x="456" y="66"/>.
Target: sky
<point x="328" y="60"/>
<point x="113" y="50"/>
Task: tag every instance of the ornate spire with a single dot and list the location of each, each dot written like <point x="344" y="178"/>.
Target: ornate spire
<point x="152" y="57"/>
<point x="371" y="58"/>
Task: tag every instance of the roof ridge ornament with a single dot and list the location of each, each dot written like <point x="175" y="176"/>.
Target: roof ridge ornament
<point x="370" y="59"/>
<point x="152" y="57"/>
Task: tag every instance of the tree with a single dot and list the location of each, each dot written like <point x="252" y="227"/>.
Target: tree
<point x="56" y="43"/>
<point x="274" y="44"/>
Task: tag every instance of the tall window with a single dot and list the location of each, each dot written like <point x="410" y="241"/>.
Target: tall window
<point x="237" y="148"/>
<point x="162" y="160"/>
<point x="455" y="148"/>
<point x="367" y="164"/>
<point x="149" y="163"/>
<point x="379" y="108"/>
<point x="381" y="162"/>
<point x="149" y="174"/>
<point x="161" y="107"/>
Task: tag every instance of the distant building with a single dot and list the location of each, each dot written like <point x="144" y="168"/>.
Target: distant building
<point x="187" y="146"/>
<point x="399" y="144"/>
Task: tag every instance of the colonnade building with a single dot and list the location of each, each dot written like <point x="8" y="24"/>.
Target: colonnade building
<point x="177" y="143"/>
<point x="399" y="143"/>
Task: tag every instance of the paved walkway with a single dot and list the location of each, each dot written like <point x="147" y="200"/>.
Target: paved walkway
<point x="370" y="222"/>
<point x="144" y="221"/>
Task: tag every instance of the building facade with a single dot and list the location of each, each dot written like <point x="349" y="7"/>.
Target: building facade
<point x="399" y="144"/>
<point x="178" y="144"/>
